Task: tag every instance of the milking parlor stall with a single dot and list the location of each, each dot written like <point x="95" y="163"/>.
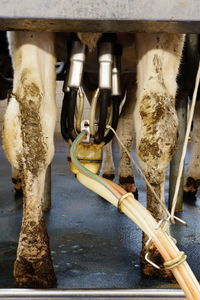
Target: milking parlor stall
<point x="118" y="64"/>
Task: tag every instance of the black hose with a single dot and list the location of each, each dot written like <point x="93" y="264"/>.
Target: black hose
<point x="104" y="99"/>
<point x="71" y="113"/>
<point x="63" y="118"/>
<point x="115" y="119"/>
<point x="67" y="115"/>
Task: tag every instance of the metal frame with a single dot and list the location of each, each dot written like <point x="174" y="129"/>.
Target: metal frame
<point x="181" y="16"/>
<point x="159" y="294"/>
<point x="104" y="16"/>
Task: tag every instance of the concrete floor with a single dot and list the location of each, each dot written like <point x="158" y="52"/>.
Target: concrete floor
<point x="93" y="246"/>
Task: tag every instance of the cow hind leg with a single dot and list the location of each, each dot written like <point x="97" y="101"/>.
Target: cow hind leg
<point x="108" y="167"/>
<point x="156" y="120"/>
<point x="126" y="134"/>
<point x="193" y="172"/>
<point x="28" y="143"/>
<point x="33" y="266"/>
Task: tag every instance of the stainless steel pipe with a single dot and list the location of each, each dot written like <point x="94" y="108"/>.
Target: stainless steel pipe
<point x="100" y="294"/>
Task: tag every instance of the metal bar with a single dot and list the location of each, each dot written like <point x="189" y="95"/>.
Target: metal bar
<point x="10" y="294"/>
<point x="101" y="10"/>
<point x="107" y="15"/>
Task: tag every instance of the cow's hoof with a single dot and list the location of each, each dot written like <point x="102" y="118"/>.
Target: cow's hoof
<point x="38" y="274"/>
<point x="151" y="272"/>
<point x="128" y="185"/>
<point x="18" y="193"/>
<point x="17" y="187"/>
<point x="189" y="197"/>
<point x="190" y="190"/>
<point x="130" y="188"/>
<point x="109" y="176"/>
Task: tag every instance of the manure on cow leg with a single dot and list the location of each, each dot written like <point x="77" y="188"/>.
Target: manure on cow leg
<point x="38" y="274"/>
<point x="150" y="271"/>
<point x="158" y="213"/>
<point x="33" y="266"/>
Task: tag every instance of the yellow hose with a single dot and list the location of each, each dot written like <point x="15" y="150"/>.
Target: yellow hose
<point x="142" y="217"/>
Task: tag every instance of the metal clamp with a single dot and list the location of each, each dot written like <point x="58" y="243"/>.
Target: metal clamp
<point x="85" y="126"/>
<point x="149" y="241"/>
<point x="168" y="265"/>
<point x="175" y="262"/>
<point x="121" y="200"/>
<point x="151" y="262"/>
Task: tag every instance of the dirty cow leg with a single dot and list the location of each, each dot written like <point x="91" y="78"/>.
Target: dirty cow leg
<point x="108" y="167"/>
<point x="155" y="118"/>
<point x="193" y="172"/>
<point x="126" y="133"/>
<point x="28" y="143"/>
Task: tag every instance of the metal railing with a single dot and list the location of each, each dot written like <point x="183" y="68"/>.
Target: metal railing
<point x="100" y="294"/>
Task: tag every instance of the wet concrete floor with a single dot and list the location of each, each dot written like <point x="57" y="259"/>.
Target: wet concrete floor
<point x="92" y="245"/>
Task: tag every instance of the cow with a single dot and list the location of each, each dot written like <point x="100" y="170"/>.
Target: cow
<point x="154" y="120"/>
<point x="29" y="124"/>
<point x="193" y="170"/>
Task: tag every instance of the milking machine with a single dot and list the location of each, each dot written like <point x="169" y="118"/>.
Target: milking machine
<point x="104" y="103"/>
<point x="87" y="138"/>
<point x="108" y="94"/>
